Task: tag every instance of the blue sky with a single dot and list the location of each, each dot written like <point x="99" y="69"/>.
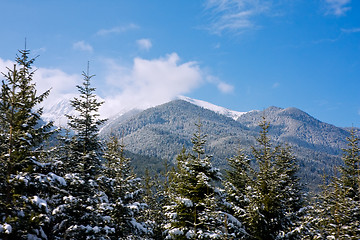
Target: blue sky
<point x="242" y="55"/>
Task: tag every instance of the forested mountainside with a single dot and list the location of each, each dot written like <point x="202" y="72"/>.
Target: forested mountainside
<point x="81" y="186"/>
<point x="162" y="131"/>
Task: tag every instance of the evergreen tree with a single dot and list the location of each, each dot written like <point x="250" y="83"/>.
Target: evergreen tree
<point x="237" y="180"/>
<point x="24" y="211"/>
<point x="265" y="196"/>
<point x="193" y="210"/>
<point x="82" y="211"/>
<point x="123" y="189"/>
<point x="336" y="212"/>
<point x="156" y="197"/>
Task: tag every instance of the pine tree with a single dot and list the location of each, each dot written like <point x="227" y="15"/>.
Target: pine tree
<point x="82" y="211"/>
<point x="193" y="210"/>
<point x="265" y="196"/>
<point x="156" y="189"/>
<point x="123" y="189"/>
<point x="336" y="212"/>
<point x="237" y="179"/>
<point x="24" y="183"/>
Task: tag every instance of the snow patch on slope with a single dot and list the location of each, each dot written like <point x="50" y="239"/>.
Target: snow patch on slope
<point x="220" y="110"/>
<point x="57" y="111"/>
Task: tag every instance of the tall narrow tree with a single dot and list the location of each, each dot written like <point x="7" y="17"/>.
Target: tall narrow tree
<point x="265" y="195"/>
<point x="123" y="189"/>
<point x="193" y="212"/>
<point x="238" y="178"/>
<point x="336" y="212"/>
<point x="82" y="212"/>
<point x="23" y="208"/>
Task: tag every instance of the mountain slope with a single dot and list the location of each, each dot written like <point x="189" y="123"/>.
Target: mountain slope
<point x="220" y="110"/>
<point x="162" y="131"/>
<point x="295" y="127"/>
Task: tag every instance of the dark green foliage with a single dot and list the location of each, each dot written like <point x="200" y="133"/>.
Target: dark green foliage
<point x="124" y="192"/>
<point x="265" y="196"/>
<point x="86" y="125"/>
<point x="23" y="179"/>
<point x="156" y="189"/>
<point x="193" y="210"/>
<point x="238" y="178"/>
<point x="82" y="207"/>
<point x="336" y="212"/>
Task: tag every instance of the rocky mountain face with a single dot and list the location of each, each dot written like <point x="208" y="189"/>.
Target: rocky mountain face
<point x="161" y="132"/>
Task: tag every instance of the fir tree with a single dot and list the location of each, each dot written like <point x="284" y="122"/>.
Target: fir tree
<point x="265" y="196"/>
<point x="237" y="180"/>
<point x="336" y="212"/>
<point x="193" y="210"/>
<point x="156" y="197"/>
<point x="123" y="189"/>
<point x="24" y="211"/>
<point x="82" y="211"/>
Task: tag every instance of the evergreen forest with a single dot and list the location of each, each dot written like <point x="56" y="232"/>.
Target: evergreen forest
<point x="71" y="184"/>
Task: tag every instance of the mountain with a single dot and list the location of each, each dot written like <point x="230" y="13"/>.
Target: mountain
<point x="163" y="130"/>
<point x="56" y="112"/>
<point x="159" y="133"/>
<point x="223" y="111"/>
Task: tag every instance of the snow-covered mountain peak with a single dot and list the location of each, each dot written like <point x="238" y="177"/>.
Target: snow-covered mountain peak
<point x="56" y="111"/>
<point x="220" y="110"/>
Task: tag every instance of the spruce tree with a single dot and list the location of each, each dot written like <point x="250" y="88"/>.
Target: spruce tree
<point x="265" y="195"/>
<point x="193" y="212"/>
<point x="336" y="212"/>
<point x="24" y="182"/>
<point x="123" y="189"/>
<point x="156" y="189"/>
<point x="82" y="211"/>
<point x="238" y="178"/>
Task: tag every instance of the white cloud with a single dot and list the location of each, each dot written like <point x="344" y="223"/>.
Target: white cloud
<point x="61" y="84"/>
<point x="149" y="82"/>
<point x="144" y="84"/>
<point x="58" y="81"/>
<point x="222" y="86"/>
<point x="4" y="64"/>
<point x="118" y="29"/>
<point x="225" y="87"/>
<point x="350" y="30"/>
<point x="144" y="44"/>
<point x="337" y="7"/>
<point x="234" y="15"/>
<point x="82" y="46"/>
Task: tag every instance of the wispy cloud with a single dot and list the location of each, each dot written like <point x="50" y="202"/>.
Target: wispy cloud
<point x="276" y="85"/>
<point x="337" y="7"/>
<point x="83" y="46"/>
<point x="117" y="30"/>
<point x="225" y="87"/>
<point x="234" y="15"/>
<point x="222" y="86"/>
<point x="350" y="30"/>
<point x="144" y="44"/>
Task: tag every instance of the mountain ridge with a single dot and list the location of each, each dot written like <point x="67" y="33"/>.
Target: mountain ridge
<point x="160" y="132"/>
